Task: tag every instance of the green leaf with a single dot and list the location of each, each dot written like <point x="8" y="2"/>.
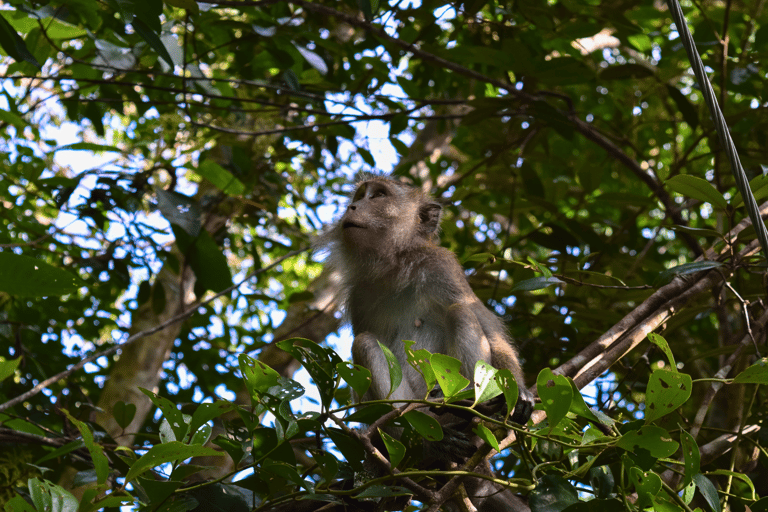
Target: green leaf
<point x="659" y="341"/>
<point x="755" y="374"/>
<point x="329" y="465"/>
<point x="424" y="424"/>
<point x="667" y="390"/>
<point x="178" y="423"/>
<point x="508" y="385"/>
<point x="685" y="269"/>
<point x="174" y="451"/>
<point x="8" y="367"/>
<point x="707" y="490"/>
<point x="89" y="146"/>
<point x="419" y="360"/>
<point x="220" y="178"/>
<point x="258" y="377"/>
<point x="210" y="265"/>
<point x="395" y="371"/>
<point x="206" y="412"/>
<point x="123" y="413"/>
<point x="697" y="188"/>
<point x="580" y="408"/>
<point x="100" y="461"/>
<point x="697" y="231"/>
<point x="448" y="372"/>
<point x="189" y="5"/>
<point x="358" y="377"/>
<point x="49" y="497"/>
<point x="29" y="277"/>
<point x="647" y="484"/>
<point x="691" y="456"/>
<point x="759" y="187"/>
<point x="18" y="504"/>
<point x="153" y="40"/>
<point x="395" y="448"/>
<point x="486" y="386"/>
<point x="536" y="283"/>
<point x="180" y="210"/>
<point x="553" y="493"/>
<point x="688" y="109"/>
<point x="486" y="435"/>
<point x="556" y="395"/>
<point x="654" y="440"/>
<point x="13" y="44"/>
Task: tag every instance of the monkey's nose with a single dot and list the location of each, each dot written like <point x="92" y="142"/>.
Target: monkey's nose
<point x="352" y="207"/>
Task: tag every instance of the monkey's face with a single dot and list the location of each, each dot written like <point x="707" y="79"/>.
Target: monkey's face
<point x="381" y="215"/>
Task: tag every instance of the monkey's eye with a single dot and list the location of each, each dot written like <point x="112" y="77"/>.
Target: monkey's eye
<point x="379" y="193"/>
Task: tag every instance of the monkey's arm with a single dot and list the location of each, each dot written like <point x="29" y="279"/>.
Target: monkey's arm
<point x="481" y="335"/>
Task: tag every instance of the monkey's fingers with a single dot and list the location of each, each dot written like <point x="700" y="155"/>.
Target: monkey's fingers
<point x="523" y="409"/>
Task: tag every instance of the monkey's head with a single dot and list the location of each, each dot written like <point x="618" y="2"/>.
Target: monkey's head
<point x="385" y="216"/>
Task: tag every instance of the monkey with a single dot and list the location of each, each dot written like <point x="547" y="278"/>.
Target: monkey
<point x="399" y="284"/>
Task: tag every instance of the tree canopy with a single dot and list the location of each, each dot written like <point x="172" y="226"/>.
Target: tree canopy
<point x="166" y="166"/>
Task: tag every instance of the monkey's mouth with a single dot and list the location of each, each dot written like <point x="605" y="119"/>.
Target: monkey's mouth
<point x="350" y="224"/>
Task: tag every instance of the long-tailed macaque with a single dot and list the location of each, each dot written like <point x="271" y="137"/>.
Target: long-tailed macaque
<point x="399" y="284"/>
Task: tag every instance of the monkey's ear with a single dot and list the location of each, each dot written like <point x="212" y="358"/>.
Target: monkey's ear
<point x="429" y="216"/>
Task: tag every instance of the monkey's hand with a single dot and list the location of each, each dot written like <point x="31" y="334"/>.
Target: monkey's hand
<point x="521" y="414"/>
<point x="456" y="445"/>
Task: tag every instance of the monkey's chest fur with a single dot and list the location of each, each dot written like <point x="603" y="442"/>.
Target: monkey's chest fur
<point x="424" y="311"/>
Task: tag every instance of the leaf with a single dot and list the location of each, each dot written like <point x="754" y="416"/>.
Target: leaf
<point x="691" y="456"/>
<point x="169" y="452"/>
<point x="29" y="277"/>
<point x="759" y="187"/>
<point x="8" y="367"/>
<point x="358" y="377"/>
<point x="685" y="269"/>
<point x="707" y="490"/>
<point x="536" y="283"/>
<point x="329" y="464"/>
<point x="419" y="360"/>
<point x="180" y="210"/>
<point x="508" y="385"/>
<point x="100" y="461"/>
<point x="49" y="497"/>
<point x="667" y="390"/>
<point x="424" y="424"/>
<point x="755" y="374"/>
<point x="89" y="146"/>
<point x="13" y="44"/>
<point x="189" y="5"/>
<point x="395" y="371"/>
<point x="697" y="188"/>
<point x="659" y="341"/>
<point x="153" y="40"/>
<point x="580" y="408"/>
<point x="654" y="440"/>
<point x="486" y="386"/>
<point x="556" y="395"/>
<point x="206" y="412"/>
<point x="690" y="114"/>
<point x="395" y="448"/>
<point x="647" y="484"/>
<point x="178" y="423"/>
<point x="258" y="377"/>
<point x="220" y="178"/>
<point x="123" y="413"/>
<point x="486" y="435"/>
<point x="697" y="231"/>
<point x="210" y="265"/>
<point x="553" y="493"/>
<point x="448" y="372"/>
